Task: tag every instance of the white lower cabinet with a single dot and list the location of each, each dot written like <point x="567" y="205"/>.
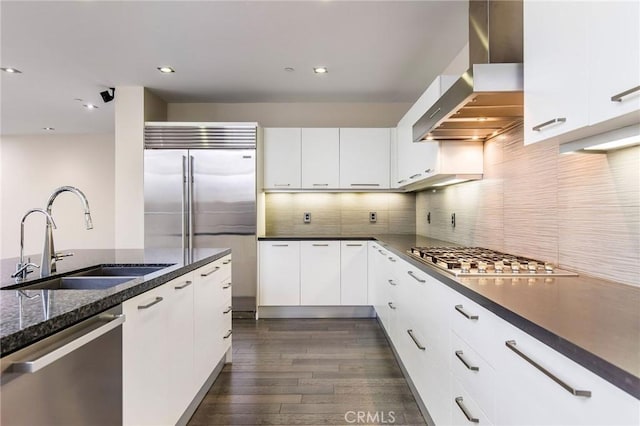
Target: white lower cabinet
<point x="319" y="273"/>
<point x="172" y="340"/>
<point x="279" y="273"/>
<point x="353" y="273"/>
<point x="470" y="366"/>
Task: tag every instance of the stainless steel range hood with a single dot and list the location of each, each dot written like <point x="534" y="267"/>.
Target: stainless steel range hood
<point x="488" y="99"/>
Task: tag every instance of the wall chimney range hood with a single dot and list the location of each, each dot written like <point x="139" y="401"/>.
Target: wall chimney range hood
<point x="488" y="99"/>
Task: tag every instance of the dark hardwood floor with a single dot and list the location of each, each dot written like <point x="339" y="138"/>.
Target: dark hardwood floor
<point x="309" y="372"/>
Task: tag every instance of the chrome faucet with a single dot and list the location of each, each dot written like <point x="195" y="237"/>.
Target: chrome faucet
<point x="22" y="267"/>
<point x="49" y="255"/>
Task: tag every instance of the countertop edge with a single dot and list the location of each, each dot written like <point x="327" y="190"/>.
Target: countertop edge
<point x="29" y="335"/>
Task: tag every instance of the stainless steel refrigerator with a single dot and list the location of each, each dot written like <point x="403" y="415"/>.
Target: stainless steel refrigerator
<point x="200" y="192"/>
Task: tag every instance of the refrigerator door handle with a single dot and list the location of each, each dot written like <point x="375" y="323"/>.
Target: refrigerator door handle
<point x="184" y="206"/>
<point x="191" y="214"/>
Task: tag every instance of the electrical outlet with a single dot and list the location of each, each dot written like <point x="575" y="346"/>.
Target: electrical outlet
<point x="373" y="217"/>
<point x="307" y="217"/>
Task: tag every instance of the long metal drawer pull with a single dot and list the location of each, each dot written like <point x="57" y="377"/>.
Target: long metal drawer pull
<point x="422" y="348"/>
<point x="382" y="252"/>
<point x="402" y="181"/>
<point x="226" y="286"/>
<point x="435" y="112"/>
<point x="320" y="184"/>
<point x="320" y="245"/>
<point x="48" y="358"/>
<point x="282" y="184"/>
<point x="619" y="96"/>
<point x="206" y="274"/>
<point x="391" y="305"/>
<point x="148" y="305"/>
<point x="460" y="309"/>
<point x="229" y="309"/>
<point x="354" y="245"/>
<point x="229" y="333"/>
<point x="511" y="344"/>
<point x="365" y="184"/>
<point x="415" y="176"/>
<point x="279" y="245"/>
<point x="186" y="284"/>
<point x="466" y="412"/>
<point x="548" y="123"/>
<point x="392" y="259"/>
<point x="420" y="280"/>
<point x="464" y="361"/>
<point x="226" y="262"/>
<point x="391" y="282"/>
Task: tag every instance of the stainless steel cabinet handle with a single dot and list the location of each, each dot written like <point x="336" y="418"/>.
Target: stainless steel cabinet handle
<point x="229" y="309"/>
<point x="619" y="96"/>
<point x="226" y="262"/>
<point x="279" y="245"/>
<point x="382" y="252"/>
<point x="354" y="245"/>
<point x="229" y="333"/>
<point x="320" y="245"/>
<point x="365" y="184"/>
<point x="511" y="344"/>
<point x="415" y="176"/>
<point x="226" y="286"/>
<point x="281" y="184"/>
<point x="428" y="171"/>
<point x="186" y="284"/>
<point x="391" y="259"/>
<point x="460" y="309"/>
<point x="206" y="274"/>
<point x="466" y="412"/>
<point x="420" y="280"/>
<point x="391" y="305"/>
<point x="422" y="348"/>
<point x="148" y="305"/>
<point x="548" y="123"/>
<point x="402" y="181"/>
<point x="33" y="366"/>
<point x="464" y="361"/>
<point x="435" y="112"/>
<point x="320" y="184"/>
<point x="391" y="282"/>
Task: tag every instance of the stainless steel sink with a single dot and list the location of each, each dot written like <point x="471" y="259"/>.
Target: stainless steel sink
<point x="78" y="283"/>
<point x="119" y="271"/>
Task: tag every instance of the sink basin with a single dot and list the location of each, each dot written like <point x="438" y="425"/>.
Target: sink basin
<point x="119" y="271"/>
<point x="78" y="283"/>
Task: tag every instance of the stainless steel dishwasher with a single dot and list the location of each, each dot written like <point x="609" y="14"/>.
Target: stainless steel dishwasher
<point x="73" y="377"/>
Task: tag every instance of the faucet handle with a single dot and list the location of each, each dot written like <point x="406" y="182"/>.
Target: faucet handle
<point x="60" y="255"/>
<point x="22" y="270"/>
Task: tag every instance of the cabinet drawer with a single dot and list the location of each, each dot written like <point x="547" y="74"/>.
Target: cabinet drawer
<point x="465" y="410"/>
<point x="563" y="390"/>
<point x="474" y="374"/>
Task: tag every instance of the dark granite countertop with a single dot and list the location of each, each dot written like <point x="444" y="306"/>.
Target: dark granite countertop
<point x="67" y="307"/>
<point x="592" y="321"/>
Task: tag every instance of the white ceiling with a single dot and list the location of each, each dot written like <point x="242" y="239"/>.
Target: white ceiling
<point x="222" y="51"/>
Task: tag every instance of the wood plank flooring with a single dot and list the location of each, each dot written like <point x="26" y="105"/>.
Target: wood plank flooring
<point x="309" y="372"/>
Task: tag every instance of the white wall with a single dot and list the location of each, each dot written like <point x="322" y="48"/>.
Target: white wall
<point x="32" y="166"/>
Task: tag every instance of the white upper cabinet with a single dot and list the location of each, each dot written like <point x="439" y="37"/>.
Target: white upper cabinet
<point x="581" y="68"/>
<point x="282" y="158"/>
<point x="614" y="47"/>
<point x="555" y="68"/>
<point x="364" y="158"/>
<point x="320" y="158"/>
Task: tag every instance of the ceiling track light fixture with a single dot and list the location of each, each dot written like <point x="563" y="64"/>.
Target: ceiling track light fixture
<point x="166" y="70"/>
<point x="320" y="70"/>
<point x="48" y="129"/>
<point x="108" y="95"/>
<point x="11" y="70"/>
<point x="90" y="106"/>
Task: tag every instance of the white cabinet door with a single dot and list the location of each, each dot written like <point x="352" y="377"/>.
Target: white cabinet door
<point x="320" y="158"/>
<point x="279" y="273"/>
<point x="320" y="273"/>
<point x="364" y="158"/>
<point x="282" y="158"/>
<point x="614" y="46"/>
<point x="353" y="273"/>
<point x="145" y="359"/>
<point x="180" y="351"/>
<point x="555" y="68"/>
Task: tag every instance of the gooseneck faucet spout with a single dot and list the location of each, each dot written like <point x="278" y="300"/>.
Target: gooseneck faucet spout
<point x="22" y="268"/>
<point x="49" y="255"/>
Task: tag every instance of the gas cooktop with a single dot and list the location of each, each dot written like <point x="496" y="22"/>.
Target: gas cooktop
<point x="482" y="262"/>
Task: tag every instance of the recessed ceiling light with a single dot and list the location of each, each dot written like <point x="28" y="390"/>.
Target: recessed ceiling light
<point x="289" y="69"/>
<point x="320" y="70"/>
<point x="166" y="70"/>
<point x="429" y="138"/>
<point x="49" y="129"/>
<point x="90" y="106"/>
<point x="11" y="70"/>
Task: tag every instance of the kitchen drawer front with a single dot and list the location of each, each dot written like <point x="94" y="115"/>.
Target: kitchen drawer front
<point x="465" y="410"/>
<point x="474" y="374"/>
<point x="524" y="388"/>
<point x="478" y="327"/>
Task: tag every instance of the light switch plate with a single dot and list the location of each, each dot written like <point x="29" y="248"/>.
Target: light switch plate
<point x="307" y="217"/>
<point x="373" y="217"/>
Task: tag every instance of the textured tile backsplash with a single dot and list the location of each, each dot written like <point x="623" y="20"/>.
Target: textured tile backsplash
<point x="581" y="211"/>
<point x="340" y="213"/>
